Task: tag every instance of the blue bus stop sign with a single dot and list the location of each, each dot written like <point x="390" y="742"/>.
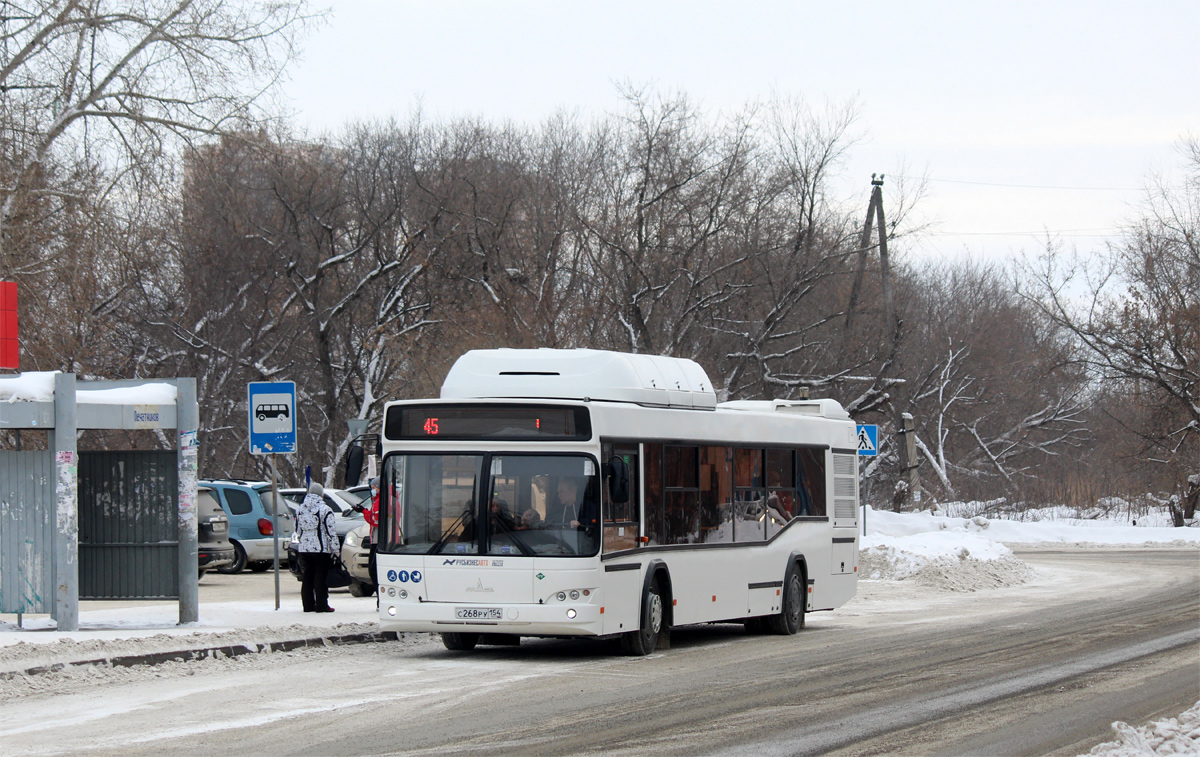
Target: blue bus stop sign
<point x="868" y="440"/>
<point x="272" y="415"/>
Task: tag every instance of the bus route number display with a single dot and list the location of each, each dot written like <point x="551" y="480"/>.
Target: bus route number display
<point x="487" y="421"/>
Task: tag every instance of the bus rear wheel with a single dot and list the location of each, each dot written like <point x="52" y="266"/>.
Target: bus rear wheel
<point x="460" y="642"/>
<point x="791" y="617"/>
<point x="643" y="641"/>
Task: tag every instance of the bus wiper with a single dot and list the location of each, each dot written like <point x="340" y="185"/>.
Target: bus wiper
<point x="437" y="545"/>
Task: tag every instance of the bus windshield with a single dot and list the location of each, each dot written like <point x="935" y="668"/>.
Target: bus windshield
<point x="527" y="504"/>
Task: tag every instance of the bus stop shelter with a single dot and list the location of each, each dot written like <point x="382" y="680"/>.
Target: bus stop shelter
<point x="139" y="513"/>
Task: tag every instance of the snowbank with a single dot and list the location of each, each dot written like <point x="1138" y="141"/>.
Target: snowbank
<point x="944" y="560"/>
<point x="1168" y="736"/>
<point x="1064" y="531"/>
<point x="968" y="554"/>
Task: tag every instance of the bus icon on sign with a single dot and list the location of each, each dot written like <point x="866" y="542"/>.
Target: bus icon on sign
<point x="272" y="411"/>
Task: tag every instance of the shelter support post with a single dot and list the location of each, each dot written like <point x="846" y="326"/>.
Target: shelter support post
<point x="187" y="414"/>
<point x="66" y="509"/>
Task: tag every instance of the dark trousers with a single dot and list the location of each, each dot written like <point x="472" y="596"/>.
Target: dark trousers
<point x="314" y="581"/>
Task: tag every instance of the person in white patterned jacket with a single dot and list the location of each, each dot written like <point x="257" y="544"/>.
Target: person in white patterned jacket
<point x="318" y="549"/>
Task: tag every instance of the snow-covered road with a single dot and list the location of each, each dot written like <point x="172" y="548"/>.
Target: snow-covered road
<point x="907" y="667"/>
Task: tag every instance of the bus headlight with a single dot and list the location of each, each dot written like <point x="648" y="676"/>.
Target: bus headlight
<point x="574" y="594"/>
<point x="562" y="596"/>
<point x="404" y="594"/>
<point x="571" y="614"/>
<point x="392" y="611"/>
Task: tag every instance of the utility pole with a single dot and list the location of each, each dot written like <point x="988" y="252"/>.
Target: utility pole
<point x="875" y="221"/>
<point x="910" y="474"/>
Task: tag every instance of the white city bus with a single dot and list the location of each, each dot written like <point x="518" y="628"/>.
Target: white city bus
<point x="589" y="493"/>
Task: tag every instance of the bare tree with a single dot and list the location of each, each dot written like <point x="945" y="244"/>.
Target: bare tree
<point x="993" y="385"/>
<point x="300" y="262"/>
<point x="93" y="96"/>
<point x="1137" y="316"/>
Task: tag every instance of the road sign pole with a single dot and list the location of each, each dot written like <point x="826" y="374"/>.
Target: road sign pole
<point x="275" y="523"/>
<point x="271" y="416"/>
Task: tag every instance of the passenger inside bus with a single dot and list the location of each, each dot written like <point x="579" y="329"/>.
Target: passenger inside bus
<point x="500" y="517"/>
<point x="530" y="519"/>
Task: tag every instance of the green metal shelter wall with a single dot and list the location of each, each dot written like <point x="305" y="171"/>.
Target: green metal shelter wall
<point x="128" y="525"/>
<point x="26" y="532"/>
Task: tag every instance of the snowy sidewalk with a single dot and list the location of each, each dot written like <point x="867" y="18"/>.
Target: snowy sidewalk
<point x="235" y="612"/>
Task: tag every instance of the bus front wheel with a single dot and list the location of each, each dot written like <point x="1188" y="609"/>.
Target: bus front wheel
<point x="460" y="642"/>
<point x="643" y="641"/>
<point x="791" y="617"/>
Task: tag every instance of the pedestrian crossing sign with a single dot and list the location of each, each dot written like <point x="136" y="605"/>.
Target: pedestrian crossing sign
<point x="868" y="439"/>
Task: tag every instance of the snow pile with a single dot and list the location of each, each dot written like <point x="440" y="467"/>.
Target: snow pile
<point x="1144" y="512"/>
<point x="1169" y="736"/>
<point x="35" y="386"/>
<point x="157" y="393"/>
<point x="946" y="560"/>
<point x="38" y="386"/>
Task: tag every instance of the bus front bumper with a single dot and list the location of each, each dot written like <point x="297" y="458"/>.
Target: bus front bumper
<point x="557" y="619"/>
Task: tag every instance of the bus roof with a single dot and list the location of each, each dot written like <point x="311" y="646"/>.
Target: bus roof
<point x="653" y="380"/>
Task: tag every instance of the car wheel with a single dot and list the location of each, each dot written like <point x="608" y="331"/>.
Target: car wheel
<point x="260" y="566"/>
<point x="200" y="573"/>
<point x="791" y="618"/>
<point x="360" y="589"/>
<point x="643" y="641"/>
<point x="239" y="561"/>
<point x="460" y="642"/>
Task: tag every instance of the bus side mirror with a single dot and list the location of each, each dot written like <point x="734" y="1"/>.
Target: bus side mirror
<point x="618" y="480"/>
<point x="354" y="466"/>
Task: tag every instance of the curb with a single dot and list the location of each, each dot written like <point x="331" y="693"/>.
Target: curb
<point x="190" y="655"/>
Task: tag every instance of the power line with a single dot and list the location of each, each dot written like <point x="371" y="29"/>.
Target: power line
<point x="1040" y="232"/>
<point x="1022" y="186"/>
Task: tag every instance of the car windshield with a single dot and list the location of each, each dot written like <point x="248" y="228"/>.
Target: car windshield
<point x="525" y="505"/>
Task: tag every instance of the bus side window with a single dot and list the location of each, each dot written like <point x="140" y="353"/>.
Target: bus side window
<point x="621" y="518"/>
<point x="810" y="481"/>
<point x="681" y="496"/>
<point x="716" y="489"/>
<point x="653" y="505"/>
<point x="749" y="495"/>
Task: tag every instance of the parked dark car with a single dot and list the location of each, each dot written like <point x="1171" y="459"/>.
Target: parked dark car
<point x="212" y="532"/>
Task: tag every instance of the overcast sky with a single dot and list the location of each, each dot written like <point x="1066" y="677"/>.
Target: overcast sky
<point x="1026" y="116"/>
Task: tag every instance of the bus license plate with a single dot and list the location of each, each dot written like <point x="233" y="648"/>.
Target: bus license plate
<point x="478" y="613"/>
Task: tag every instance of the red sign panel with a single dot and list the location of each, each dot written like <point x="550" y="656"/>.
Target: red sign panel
<point x="9" y="353"/>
